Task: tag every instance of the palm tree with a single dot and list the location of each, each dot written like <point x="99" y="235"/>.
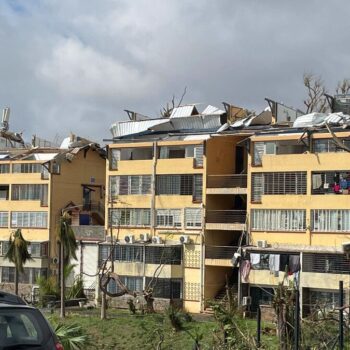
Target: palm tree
<point x="18" y="254"/>
<point x="68" y="246"/>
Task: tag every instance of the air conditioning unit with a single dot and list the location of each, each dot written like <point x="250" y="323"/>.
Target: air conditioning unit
<point x="262" y="243"/>
<point x="55" y="260"/>
<point x="144" y="237"/>
<point x="246" y="301"/>
<point x="184" y="239"/>
<point x="157" y="240"/>
<point x="129" y="239"/>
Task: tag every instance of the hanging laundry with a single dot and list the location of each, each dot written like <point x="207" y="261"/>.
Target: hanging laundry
<point x="294" y="263"/>
<point x="316" y="181"/>
<point x="254" y="259"/>
<point x="244" y="268"/>
<point x="274" y="263"/>
<point x="284" y="262"/>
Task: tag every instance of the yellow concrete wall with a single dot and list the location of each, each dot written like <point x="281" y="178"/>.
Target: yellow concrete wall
<point x="215" y="279"/>
<point x="9" y="205"/>
<point x="67" y="186"/>
<point x="308" y="162"/>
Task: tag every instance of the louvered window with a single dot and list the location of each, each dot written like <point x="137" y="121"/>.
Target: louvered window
<point x="277" y="183"/>
<point x="129" y="184"/>
<point x="278" y="220"/>
<point x="129" y="217"/>
<point x="29" y="219"/>
<point x="193" y="217"/>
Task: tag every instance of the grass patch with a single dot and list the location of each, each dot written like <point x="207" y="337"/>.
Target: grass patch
<point x="125" y="331"/>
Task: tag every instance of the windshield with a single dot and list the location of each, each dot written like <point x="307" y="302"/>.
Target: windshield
<point x="20" y="327"/>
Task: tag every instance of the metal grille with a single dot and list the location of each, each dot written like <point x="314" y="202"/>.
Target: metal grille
<point x="30" y="192"/>
<point x="198" y="156"/>
<point x="325" y="220"/>
<point x="227" y="181"/>
<point x="277" y="183"/>
<point x="278" y="220"/>
<point x="129" y="217"/>
<point x="219" y="252"/>
<point x="180" y="185"/>
<point x="168" y="288"/>
<point x="129" y="184"/>
<point x="226" y="216"/>
<point x="193" y="217"/>
<point x="29" y="219"/>
<point x="27" y="168"/>
<point x="326" y="182"/>
<point x="326" y="263"/>
<point x="169" y="217"/>
<point x="163" y="255"/>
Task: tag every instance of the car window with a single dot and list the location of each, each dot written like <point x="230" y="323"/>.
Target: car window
<point x="22" y="327"/>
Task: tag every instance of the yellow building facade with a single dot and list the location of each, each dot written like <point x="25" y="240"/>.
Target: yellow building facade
<point x="298" y="207"/>
<point x="36" y="186"/>
<point x="176" y="207"/>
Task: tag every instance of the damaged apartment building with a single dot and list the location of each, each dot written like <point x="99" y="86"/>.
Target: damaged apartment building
<point x="219" y="196"/>
<point x="38" y="183"/>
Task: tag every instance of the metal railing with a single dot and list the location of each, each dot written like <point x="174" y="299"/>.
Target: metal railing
<point x="227" y="181"/>
<point x="97" y="207"/>
<point x="226" y="216"/>
<point x="219" y="252"/>
<point x="89" y="232"/>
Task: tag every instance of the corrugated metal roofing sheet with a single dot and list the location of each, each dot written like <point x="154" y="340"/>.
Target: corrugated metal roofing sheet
<point x="212" y="110"/>
<point x="44" y="156"/>
<point x="183" y="111"/>
<point x="197" y="122"/>
<point x="133" y="127"/>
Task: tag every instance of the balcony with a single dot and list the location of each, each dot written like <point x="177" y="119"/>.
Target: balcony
<point x="227" y="184"/>
<point x="228" y="220"/>
<point x="219" y="255"/>
<point x="89" y="232"/>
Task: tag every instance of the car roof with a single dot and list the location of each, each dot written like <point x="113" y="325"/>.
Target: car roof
<point x="9" y="298"/>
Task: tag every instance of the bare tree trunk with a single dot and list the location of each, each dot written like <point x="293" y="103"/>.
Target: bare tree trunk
<point x="16" y="280"/>
<point x="63" y="310"/>
<point x="103" y="306"/>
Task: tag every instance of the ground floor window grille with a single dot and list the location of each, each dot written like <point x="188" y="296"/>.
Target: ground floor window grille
<point x="4" y="219"/>
<point x="29" y="276"/>
<point x="167" y="288"/>
<point x="164" y="255"/>
<point x="278" y="220"/>
<point x="130" y="282"/>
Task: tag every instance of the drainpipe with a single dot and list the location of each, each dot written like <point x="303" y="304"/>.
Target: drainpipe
<point x="202" y="262"/>
<point x="153" y="188"/>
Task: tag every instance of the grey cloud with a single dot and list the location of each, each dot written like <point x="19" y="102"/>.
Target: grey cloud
<point x="75" y="65"/>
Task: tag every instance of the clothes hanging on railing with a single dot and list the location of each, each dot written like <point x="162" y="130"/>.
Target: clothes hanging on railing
<point x="274" y="264"/>
<point x="244" y="268"/>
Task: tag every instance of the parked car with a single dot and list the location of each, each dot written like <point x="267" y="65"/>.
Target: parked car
<point x="9" y="298"/>
<point x="24" y="327"/>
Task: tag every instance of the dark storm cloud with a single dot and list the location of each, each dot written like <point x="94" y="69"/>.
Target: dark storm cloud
<point x="75" y="65"/>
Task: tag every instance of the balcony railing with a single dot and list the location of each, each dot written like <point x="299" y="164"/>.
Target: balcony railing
<point x="219" y="252"/>
<point x="97" y="207"/>
<point x="227" y="181"/>
<point x="92" y="232"/>
<point x="226" y="216"/>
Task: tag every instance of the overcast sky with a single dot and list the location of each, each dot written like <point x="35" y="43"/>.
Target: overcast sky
<point x="75" y="65"/>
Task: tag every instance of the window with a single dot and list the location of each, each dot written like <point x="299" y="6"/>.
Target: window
<point x="129" y="184"/>
<point x="198" y="156"/>
<point x="27" y="168"/>
<point x="30" y="192"/>
<point x="278" y="220"/>
<point x="277" y="184"/>
<point x="131" y="253"/>
<point x="5" y="247"/>
<point x="163" y="255"/>
<point x="130" y="282"/>
<point x="4" y="168"/>
<point x="189" y="151"/>
<point x="34" y="250"/>
<point x="325" y="146"/>
<point x="4" y="192"/>
<point x="326" y="263"/>
<point x="129" y="217"/>
<point x="169" y="217"/>
<point x="35" y="219"/>
<point x="276" y="147"/>
<point x="325" y="220"/>
<point x="331" y="182"/>
<point x="114" y="157"/>
<point x="180" y="185"/>
<point x="167" y="288"/>
<point x="29" y="276"/>
<point x="193" y="217"/>
<point x="4" y="218"/>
